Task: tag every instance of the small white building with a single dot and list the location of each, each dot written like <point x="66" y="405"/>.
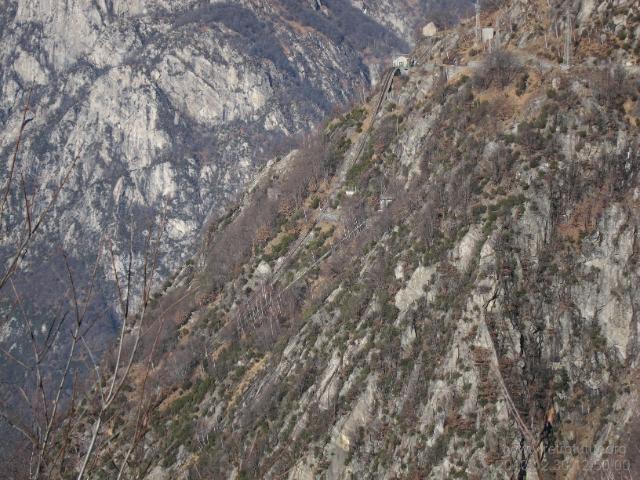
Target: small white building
<point x="401" y="62"/>
<point x="488" y="34"/>
<point x="385" y="201"/>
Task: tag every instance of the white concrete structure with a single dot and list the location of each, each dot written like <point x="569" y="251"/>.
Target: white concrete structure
<point x="488" y="34"/>
<point x="385" y="201"/>
<point x="429" y="30"/>
<point x="401" y="62"/>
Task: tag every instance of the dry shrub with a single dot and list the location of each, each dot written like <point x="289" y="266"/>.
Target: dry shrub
<point x="499" y="69"/>
<point x="611" y="86"/>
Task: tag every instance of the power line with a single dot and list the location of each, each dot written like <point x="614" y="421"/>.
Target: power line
<point x="478" y="29"/>
<point x="568" y="34"/>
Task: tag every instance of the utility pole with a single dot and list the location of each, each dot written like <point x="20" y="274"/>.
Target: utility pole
<point x="478" y="30"/>
<point x="497" y="40"/>
<point x="568" y="39"/>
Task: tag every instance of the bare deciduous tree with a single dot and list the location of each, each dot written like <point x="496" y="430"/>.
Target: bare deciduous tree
<point x="49" y="411"/>
<point x="499" y="68"/>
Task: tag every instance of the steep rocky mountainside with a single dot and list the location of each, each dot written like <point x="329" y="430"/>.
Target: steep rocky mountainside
<point x="161" y="111"/>
<point x="441" y="284"/>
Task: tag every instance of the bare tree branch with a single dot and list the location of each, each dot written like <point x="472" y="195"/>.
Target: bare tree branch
<point x="23" y="124"/>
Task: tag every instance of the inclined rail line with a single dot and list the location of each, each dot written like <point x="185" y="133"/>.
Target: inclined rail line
<point x="362" y="141"/>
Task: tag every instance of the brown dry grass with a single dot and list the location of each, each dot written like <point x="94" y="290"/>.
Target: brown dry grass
<point x="246" y="380"/>
<point x="584" y="218"/>
<point x="632" y="110"/>
<point x="168" y="400"/>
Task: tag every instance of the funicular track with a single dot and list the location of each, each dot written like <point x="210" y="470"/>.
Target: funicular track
<point x="362" y="141"/>
<point x="364" y="138"/>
